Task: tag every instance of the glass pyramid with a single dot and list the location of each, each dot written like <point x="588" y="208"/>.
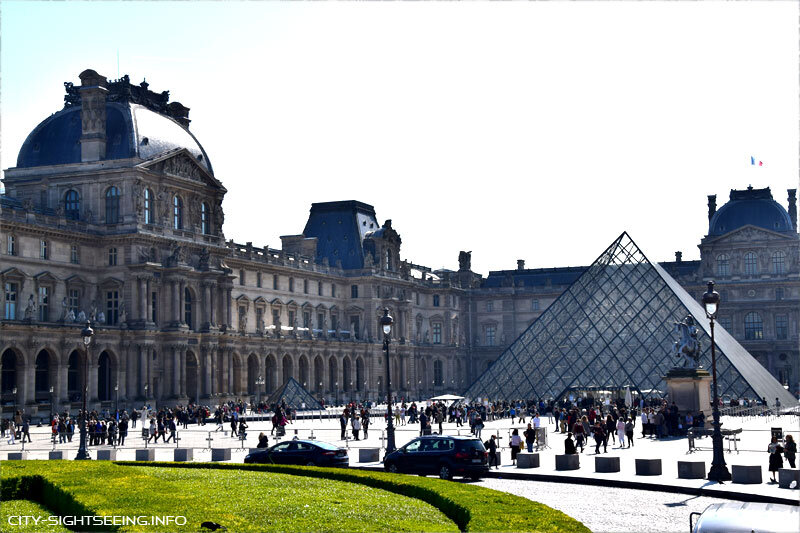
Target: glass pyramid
<point x="612" y="328"/>
<point x="295" y="396"/>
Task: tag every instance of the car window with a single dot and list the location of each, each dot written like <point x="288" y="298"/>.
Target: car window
<point x="304" y="446"/>
<point x="282" y="447"/>
<point x="467" y="445"/>
<point x="292" y="447"/>
<point x="413" y="446"/>
<point x="426" y="446"/>
<point x="326" y="446"/>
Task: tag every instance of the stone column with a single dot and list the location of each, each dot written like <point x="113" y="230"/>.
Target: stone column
<point x="228" y="296"/>
<point x="149" y="371"/>
<point x="207" y="371"/>
<point x="182" y="300"/>
<point x="61" y="394"/>
<point x="175" y="303"/>
<point x="148" y="316"/>
<point x="231" y="388"/>
<point x="92" y="396"/>
<point x="206" y="305"/>
<point x="176" y="370"/>
<point x="182" y="371"/>
<point x="213" y="305"/>
<point x="142" y="311"/>
<point x="142" y="373"/>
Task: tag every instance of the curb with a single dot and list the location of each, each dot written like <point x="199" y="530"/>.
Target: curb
<point x="636" y="485"/>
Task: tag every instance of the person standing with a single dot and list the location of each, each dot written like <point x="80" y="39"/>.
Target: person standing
<point x="365" y="422"/>
<point x="569" y="445"/>
<point x="621" y="432"/>
<point x="439" y="417"/>
<point x="343" y="425"/>
<point x="790" y="450"/>
<point x="775" y="461"/>
<point x="356" y="423"/>
<point x="493" y="453"/>
<point x="530" y="437"/>
<point x="516" y="444"/>
<point x="424" y="426"/>
<point x="600" y="437"/>
<point x="123" y="430"/>
<point x="12" y="429"/>
<point x="629" y="431"/>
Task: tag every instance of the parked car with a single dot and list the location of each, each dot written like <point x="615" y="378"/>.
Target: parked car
<point x="445" y="456"/>
<point x="301" y="452"/>
<point x="746" y="517"/>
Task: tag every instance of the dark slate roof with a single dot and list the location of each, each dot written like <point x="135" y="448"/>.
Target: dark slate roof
<point x="682" y="268"/>
<point x="538" y="277"/>
<point x="56" y="140"/>
<point x="295" y="396"/>
<point x="340" y="228"/>
<point x="750" y="206"/>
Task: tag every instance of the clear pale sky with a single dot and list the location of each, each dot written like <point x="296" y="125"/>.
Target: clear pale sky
<point x="537" y="131"/>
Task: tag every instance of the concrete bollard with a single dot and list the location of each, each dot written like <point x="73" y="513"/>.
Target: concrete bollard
<point x="17" y="456"/>
<point x="648" y="467"/>
<point x="691" y="469"/>
<point x="220" y="454"/>
<point x="786" y="476"/>
<point x="369" y="455"/>
<point x="183" y="454"/>
<point x="746" y="474"/>
<point x="111" y="455"/>
<point x="568" y="462"/>
<point x="527" y="460"/>
<point x="145" y="454"/>
<point x="57" y="455"/>
<point x="606" y="464"/>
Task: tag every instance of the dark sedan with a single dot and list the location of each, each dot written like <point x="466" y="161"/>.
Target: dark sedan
<point x="445" y="456"/>
<point x="301" y="452"/>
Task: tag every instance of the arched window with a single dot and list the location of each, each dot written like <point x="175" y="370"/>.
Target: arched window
<point x="72" y="205"/>
<point x="187" y="307"/>
<point x="112" y="205"/>
<point x="177" y="212"/>
<point x="778" y="262"/>
<point x="438" y="372"/>
<point x="42" y="378"/>
<point x="104" y="377"/>
<point x="723" y="266"/>
<point x="753" y="327"/>
<point x="148" y="206"/>
<point x="205" y="227"/>
<point x="750" y="264"/>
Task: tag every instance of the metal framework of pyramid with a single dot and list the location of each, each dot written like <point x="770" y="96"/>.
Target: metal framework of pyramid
<point x="612" y="328"/>
<point x="295" y="396"/>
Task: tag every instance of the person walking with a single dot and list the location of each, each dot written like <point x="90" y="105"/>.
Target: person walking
<point x="343" y="426"/>
<point x="790" y="450"/>
<point x="152" y="432"/>
<point x="775" y="461"/>
<point x="123" y="430"/>
<point x="173" y="430"/>
<point x="356" y="423"/>
<point x="530" y="438"/>
<point x="12" y="432"/>
<point x="478" y="426"/>
<point x="600" y="437"/>
<point x="516" y="443"/>
<point x="26" y="428"/>
<point x="621" y="432"/>
<point x="493" y="453"/>
<point x="629" y="431"/>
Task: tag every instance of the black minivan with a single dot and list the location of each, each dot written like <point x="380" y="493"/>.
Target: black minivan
<point x="445" y="456"/>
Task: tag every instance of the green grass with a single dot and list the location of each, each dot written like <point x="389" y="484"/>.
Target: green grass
<point x="275" y="497"/>
<point x="31" y="511"/>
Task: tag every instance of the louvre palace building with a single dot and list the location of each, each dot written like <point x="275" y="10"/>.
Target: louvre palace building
<point x="113" y="214"/>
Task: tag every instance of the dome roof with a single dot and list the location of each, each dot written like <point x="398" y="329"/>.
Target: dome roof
<point x="750" y="207"/>
<point x="132" y="130"/>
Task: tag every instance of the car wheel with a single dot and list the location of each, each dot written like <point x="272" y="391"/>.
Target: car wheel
<point x="444" y="472"/>
<point x="311" y="463"/>
<point x="393" y="468"/>
<point x="475" y="478"/>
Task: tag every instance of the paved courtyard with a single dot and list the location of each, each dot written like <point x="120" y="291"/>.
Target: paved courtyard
<point x="602" y="508"/>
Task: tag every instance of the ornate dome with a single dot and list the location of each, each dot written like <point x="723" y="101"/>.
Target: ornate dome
<point x="139" y="124"/>
<point x="750" y="207"/>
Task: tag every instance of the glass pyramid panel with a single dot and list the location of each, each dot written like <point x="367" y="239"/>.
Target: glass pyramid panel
<point x="612" y="328"/>
<point x="295" y="396"/>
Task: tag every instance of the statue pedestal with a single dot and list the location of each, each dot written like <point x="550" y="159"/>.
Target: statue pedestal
<point x="690" y="389"/>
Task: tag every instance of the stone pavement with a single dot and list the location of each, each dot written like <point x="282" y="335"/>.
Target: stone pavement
<point x="752" y="451"/>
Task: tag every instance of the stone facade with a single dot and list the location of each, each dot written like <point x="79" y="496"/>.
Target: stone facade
<point x="133" y="240"/>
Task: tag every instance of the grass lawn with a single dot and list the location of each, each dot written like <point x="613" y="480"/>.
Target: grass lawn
<point x="29" y="509"/>
<point x="240" y="500"/>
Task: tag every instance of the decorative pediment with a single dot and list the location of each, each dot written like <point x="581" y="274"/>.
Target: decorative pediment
<point x="182" y="164"/>
<point x="45" y="277"/>
<point x="12" y="273"/>
<point x="276" y="301"/>
<point x="260" y="301"/>
<point x="111" y="282"/>
<point x="749" y="234"/>
<point x="75" y="279"/>
<point x="354" y="309"/>
<point x="291" y="303"/>
<point x="320" y="307"/>
<point x="242" y="298"/>
<point x="307" y="306"/>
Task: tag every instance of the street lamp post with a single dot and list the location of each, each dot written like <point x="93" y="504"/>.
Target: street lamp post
<point x="51" y="404"/>
<point x="719" y="470"/>
<point x="87" y="334"/>
<point x="14" y="412"/>
<point x="116" y="397"/>
<point x="259" y="383"/>
<point x="386" y="323"/>
<point x="337" y="393"/>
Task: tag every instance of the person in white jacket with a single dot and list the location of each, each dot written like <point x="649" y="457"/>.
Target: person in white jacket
<point x="356" y="426"/>
<point x="621" y="432"/>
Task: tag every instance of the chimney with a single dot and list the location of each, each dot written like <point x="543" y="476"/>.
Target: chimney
<point x="520" y="264"/>
<point x="793" y="207"/>
<point x="712" y="205"/>
<point x="93" y="115"/>
<point x="678" y="257"/>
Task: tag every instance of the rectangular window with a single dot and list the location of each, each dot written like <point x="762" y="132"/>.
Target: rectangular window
<point x="726" y="323"/>
<point x="320" y="320"/>
<point x="43" y="249"/>
<point x="436" y="300"/>
<point x="319" y="288"/>
<point x="291" y="284"/>
<point x="305" y="286"/>
<point x="259" y="319"/>
<point x="241" y="276"/>
<point x="779" y="294"/>
<point x="416" y="297"/>
<point x="153" y="307"/>
<point x="355" y="326"/>
<point x="112" y="257"/>
<point x="11" y="245"/>
<point x="534" y="305"/>
<point x="489" y="307"/>
<point x="353" y="291"/>
<point x="112" y="307"/>
<point x="334" y="322"/>
<point x="306" y="319"/>
<point x="242" y="318"/>
<point x="491" y="334"/>
<point x="258" y="279"/>
<point x="276" y="317"/>
<point x="437" y="333"/>
<point x="10" y="301"/>
<point x="333" y="290"/>
<point x="44" y="304"/>
<point x="73" y="255"/>
<point x="781" y="327"/>
<point x="73" y="300"/>
<point x="291" y="319"/>
<point x="275" y="282"/>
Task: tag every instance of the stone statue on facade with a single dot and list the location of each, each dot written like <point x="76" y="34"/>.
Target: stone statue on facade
<point x="688" y="346"/>
<point x="71" y="316"/>
<point x="278" y="327"/>
<point x="64" y="309"/>
<point x="205" y="257"/>
<point x="81" y="317"/>
<point x="101" y="317"/>
<point x="123" y="314"/>
<point x="30" y="309"/>
<point x="242" y="323"/>
<point x="464" y="261"/>
<point x="93" y="312"/>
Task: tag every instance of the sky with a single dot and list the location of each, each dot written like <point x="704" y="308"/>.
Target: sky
<point x="536" y="131"/>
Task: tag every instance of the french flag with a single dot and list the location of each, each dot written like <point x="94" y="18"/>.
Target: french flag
<point x="753" y="161"/>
